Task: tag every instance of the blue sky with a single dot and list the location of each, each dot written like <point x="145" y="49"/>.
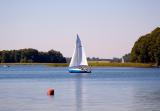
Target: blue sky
<point x="107" y="28"/>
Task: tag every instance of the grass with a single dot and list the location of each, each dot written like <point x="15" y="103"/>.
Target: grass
<point x="48" y="64"/>
<point x="115" y="64"/>
<point x="91" y="63"/>
<point x="58" y="64"/>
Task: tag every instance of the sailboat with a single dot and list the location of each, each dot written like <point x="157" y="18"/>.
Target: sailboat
<point x="79" y="62"/>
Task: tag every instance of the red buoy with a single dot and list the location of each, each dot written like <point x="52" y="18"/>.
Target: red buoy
<point x="50" y="92"/>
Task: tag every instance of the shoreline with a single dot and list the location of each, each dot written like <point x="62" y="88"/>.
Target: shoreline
<point x="92" y="64"/>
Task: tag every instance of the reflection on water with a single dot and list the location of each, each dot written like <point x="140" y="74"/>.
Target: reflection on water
<point x="23" y="88"/>
<point x="79" y="96"/>
<point x="79" y="90"/>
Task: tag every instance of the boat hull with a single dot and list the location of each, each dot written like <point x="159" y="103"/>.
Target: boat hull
<point x="77" y="70"/>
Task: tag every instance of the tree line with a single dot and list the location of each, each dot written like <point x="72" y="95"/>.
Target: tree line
<point x="31" y="55"/>
<point x="147" y="48"/>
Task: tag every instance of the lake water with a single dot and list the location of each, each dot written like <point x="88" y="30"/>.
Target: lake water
<point x="24" y="88"/>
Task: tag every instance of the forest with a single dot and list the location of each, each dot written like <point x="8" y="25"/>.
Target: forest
<point x="31" y="56"/>
<point x="147" y="48"/>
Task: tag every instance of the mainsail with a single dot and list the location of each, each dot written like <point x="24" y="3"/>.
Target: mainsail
<point x="79" y="56"/>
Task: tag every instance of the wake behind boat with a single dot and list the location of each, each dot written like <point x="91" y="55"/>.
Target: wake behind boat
<point x="79" y="62"/>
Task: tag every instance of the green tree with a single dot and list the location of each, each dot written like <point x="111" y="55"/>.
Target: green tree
<point x="31" y="55"/>
<point x="147" y="48"/>
<point x="126" y="57"/>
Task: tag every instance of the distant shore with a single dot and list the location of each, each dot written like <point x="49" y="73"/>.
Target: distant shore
<point x="116" y="64"/>
<point x="91" y="63"/>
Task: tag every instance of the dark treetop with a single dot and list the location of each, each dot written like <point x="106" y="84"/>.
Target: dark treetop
<point x="31" y="55"/>
<point x="147" y="48"/>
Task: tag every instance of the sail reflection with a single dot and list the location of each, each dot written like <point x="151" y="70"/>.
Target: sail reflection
<point x="79" y="91"/>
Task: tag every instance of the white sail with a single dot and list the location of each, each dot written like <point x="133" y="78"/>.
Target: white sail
<point x="79" y="56"/>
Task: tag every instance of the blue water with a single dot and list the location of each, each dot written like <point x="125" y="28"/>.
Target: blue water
<point x="24" y="88"/>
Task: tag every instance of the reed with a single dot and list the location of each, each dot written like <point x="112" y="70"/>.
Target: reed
<point x="91" y="63"/>
<point x="58" y="64"/>
<point x="114" y="64"/>
<point x="48" y="64"/>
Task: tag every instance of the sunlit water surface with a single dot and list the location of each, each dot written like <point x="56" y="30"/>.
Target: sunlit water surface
<point x="24" y="88"/>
